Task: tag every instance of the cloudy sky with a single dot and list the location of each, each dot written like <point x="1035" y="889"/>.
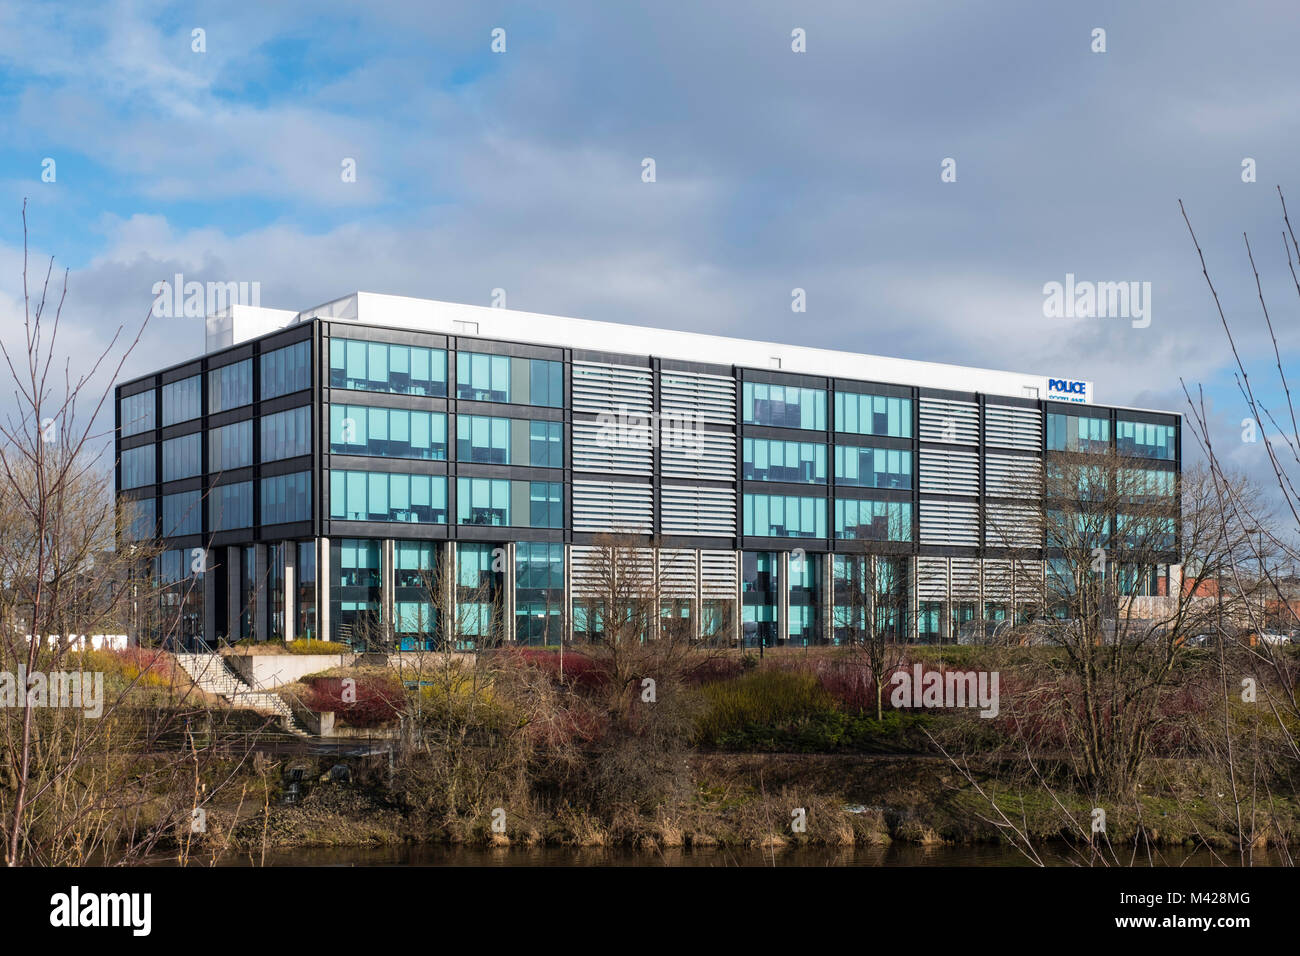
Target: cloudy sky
<point x="774" y="169"/>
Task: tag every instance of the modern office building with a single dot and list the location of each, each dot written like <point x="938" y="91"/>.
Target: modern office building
<point x="310" y="471"/>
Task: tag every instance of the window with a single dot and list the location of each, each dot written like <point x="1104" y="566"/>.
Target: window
<point x="141" y="518"/>
<point x="182" y="401"/>
<point x="388" y="432"/>
<point x="483" y="501"/>
<point x="873" y="467"/>
<point x="380" y="367"/>
<point x="137" y="413"/>
<point x="539" y="592"/>
<point x="286" y="434"/>
<point x="859" y="414"/>
<point x="381" y="496"/>
<point x="545" y="504"/>
<point x="492" y="378"/>
<point x="286" y="370"/>
<point x="501" y="502"/>
<point x="1077" y="433"/>
<point x="182" y="513"/>
<point x="791" y="461"/>
<point x="1146" y="484"/>
<point x="305" y="585"/>
<point x="138" y="466"/>
<point x="354" y="590"/>
<point x="230" y="447"/>
<point x="785" y="406"/>
<point x="286" y="498"/>
<point x="546" y="444"/>
<point x="182" y="457"/>
<point x="1145" y="440"/>
<point x="230" y="506"/>
<point x="873" y="520"/>
<point x="230" y="386"/>
<point x="784" y="516"/>
<point x="505" y="441"/>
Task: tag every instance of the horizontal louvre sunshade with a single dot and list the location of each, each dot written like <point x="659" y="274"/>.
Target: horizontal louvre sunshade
<point x="946" y="421"/>
<point x="949" y="472"/>
<point x="609" y="388"/>
<point x="1013" y="476"/>
<point x="707" y="398"/>
<point x="689" y="509"/>
<point x="595" y="569"/>
<point x="964" y="577"/>
<point x="997" y="579"/>
<point x="932" y="578"/>
<point x="718" y="573"/>
<point x="950" y="523"/>
<point x="1012" y="526"/>
<point x="612" y="506"/>
<point x="678" y="572"/>
<point x="610" y="448"/>
<point x="1007" y="427"/>
<point x="698" y="454"/>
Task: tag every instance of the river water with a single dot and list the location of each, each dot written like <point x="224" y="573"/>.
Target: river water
<point x="894" y="855"/>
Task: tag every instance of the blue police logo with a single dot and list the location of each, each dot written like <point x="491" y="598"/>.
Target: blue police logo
<point x="1066" y="387"/>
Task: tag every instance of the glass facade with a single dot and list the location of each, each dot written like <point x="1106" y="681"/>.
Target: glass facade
<point x="784" y="516"/>
<point x="766" y="459"/>
<point x="539" y="592"/>
<point x="1066" y="432"/>
<point x="180" y="596"/>
<point x="873" y="467"/>
<point x="286" y="434"/>
<point x="1145" y="440"/>
<point x="230" y="447"/>
<point x="140" y="515"/>
<point x="760" y="579"/>
<point x="137" y="413"/>
<point x="861" y="519"/>
<point x="851" y="594"/>
<point x="305" y="591"/>
<point x="230" y="506"/>
<point x="230" y="386"/>
<point x="182" y="457"/>
<point x="355" y="615"/>
<point x="859" y="414"/>
<point x="804" y="612"/>
<point x="500" y="501"/>
<point x="182" y="401"/>
<point x="382" y="496"/>
<point x="388" y="432"/>
<point x="380" y="367"/>
<point x="501" y="378"/>
<point x="182" y="513"/>
<point x="416" y="586"/>
<point x="138" y="467"/>
<point x="286" y="370"/>
<point x="784" y="406"/>
<point x="507" y="441"/>
<point x="286" y="498"/>
<point x="479" y="578"/>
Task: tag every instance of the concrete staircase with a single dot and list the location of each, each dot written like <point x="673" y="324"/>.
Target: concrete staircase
<point x="211" y="674"/>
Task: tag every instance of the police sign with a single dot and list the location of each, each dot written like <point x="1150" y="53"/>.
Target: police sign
<point x="1067" y="390"/>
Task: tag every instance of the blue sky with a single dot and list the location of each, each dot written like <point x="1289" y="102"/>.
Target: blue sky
<point x="775" y="170"/>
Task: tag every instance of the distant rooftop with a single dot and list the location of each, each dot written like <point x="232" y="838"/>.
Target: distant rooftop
<point x="240" y="323"/>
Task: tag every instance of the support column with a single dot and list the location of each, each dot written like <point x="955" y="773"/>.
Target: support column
<point x="782" y="597"/>
<point x="287" y="600"/>
<point x="323" y="589"/>
<point x="387" y="583"/>
<point x="828" y="598"/>
<point x="210" y="599"/>
<point x="509" y="582"/>
<point x="697" y="610"/>
<point x="449" y="623"/>
<point x="737" y="624"/>
<point x="234" y="599"/>
<point x="261" y="608"/>
<point x="566" y="619"/>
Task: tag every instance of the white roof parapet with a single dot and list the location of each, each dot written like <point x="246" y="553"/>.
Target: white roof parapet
<point x="453" y="318"/>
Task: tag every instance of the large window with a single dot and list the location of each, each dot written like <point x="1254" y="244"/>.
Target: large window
<point x="1145" y="440"/>
<point x="1077" y="433"/>
<point x="500" y="378"/>
<point x="182" y="513"/>
<point x="784" y="516"/>
<point x="388" y="432"/>
<point x="355" y="616"/>
<point x="509" y="441"/>
<point x="141" y="518"/>
<point x="182" y="457"/>
<point x="501" y="502"/>
<point x="138" y="467"/>
<point x="415" y="581"/>
<point x="230" y="386"/>
<point x="286" y="434"/>
<point x="137" y="413"/>
<point x="873" y="467"/>
<point x="873" y="520"/>
<point x="182" y="401"/>
<point x="380" y="367"/>
<point x="380" y="496"/>
<point x="230" y="506"/>
<point x="286" y="498"/>
<point x="784" y="406"/>
<point x="305" y="586"/>
<point x="286" y="370"/>
<point x="539" y="592"/>
<point x="1147" y="484"/>
<point x="859" y="414"/>
<point x="792" y="461"/>
<point x="230" y="447"/>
